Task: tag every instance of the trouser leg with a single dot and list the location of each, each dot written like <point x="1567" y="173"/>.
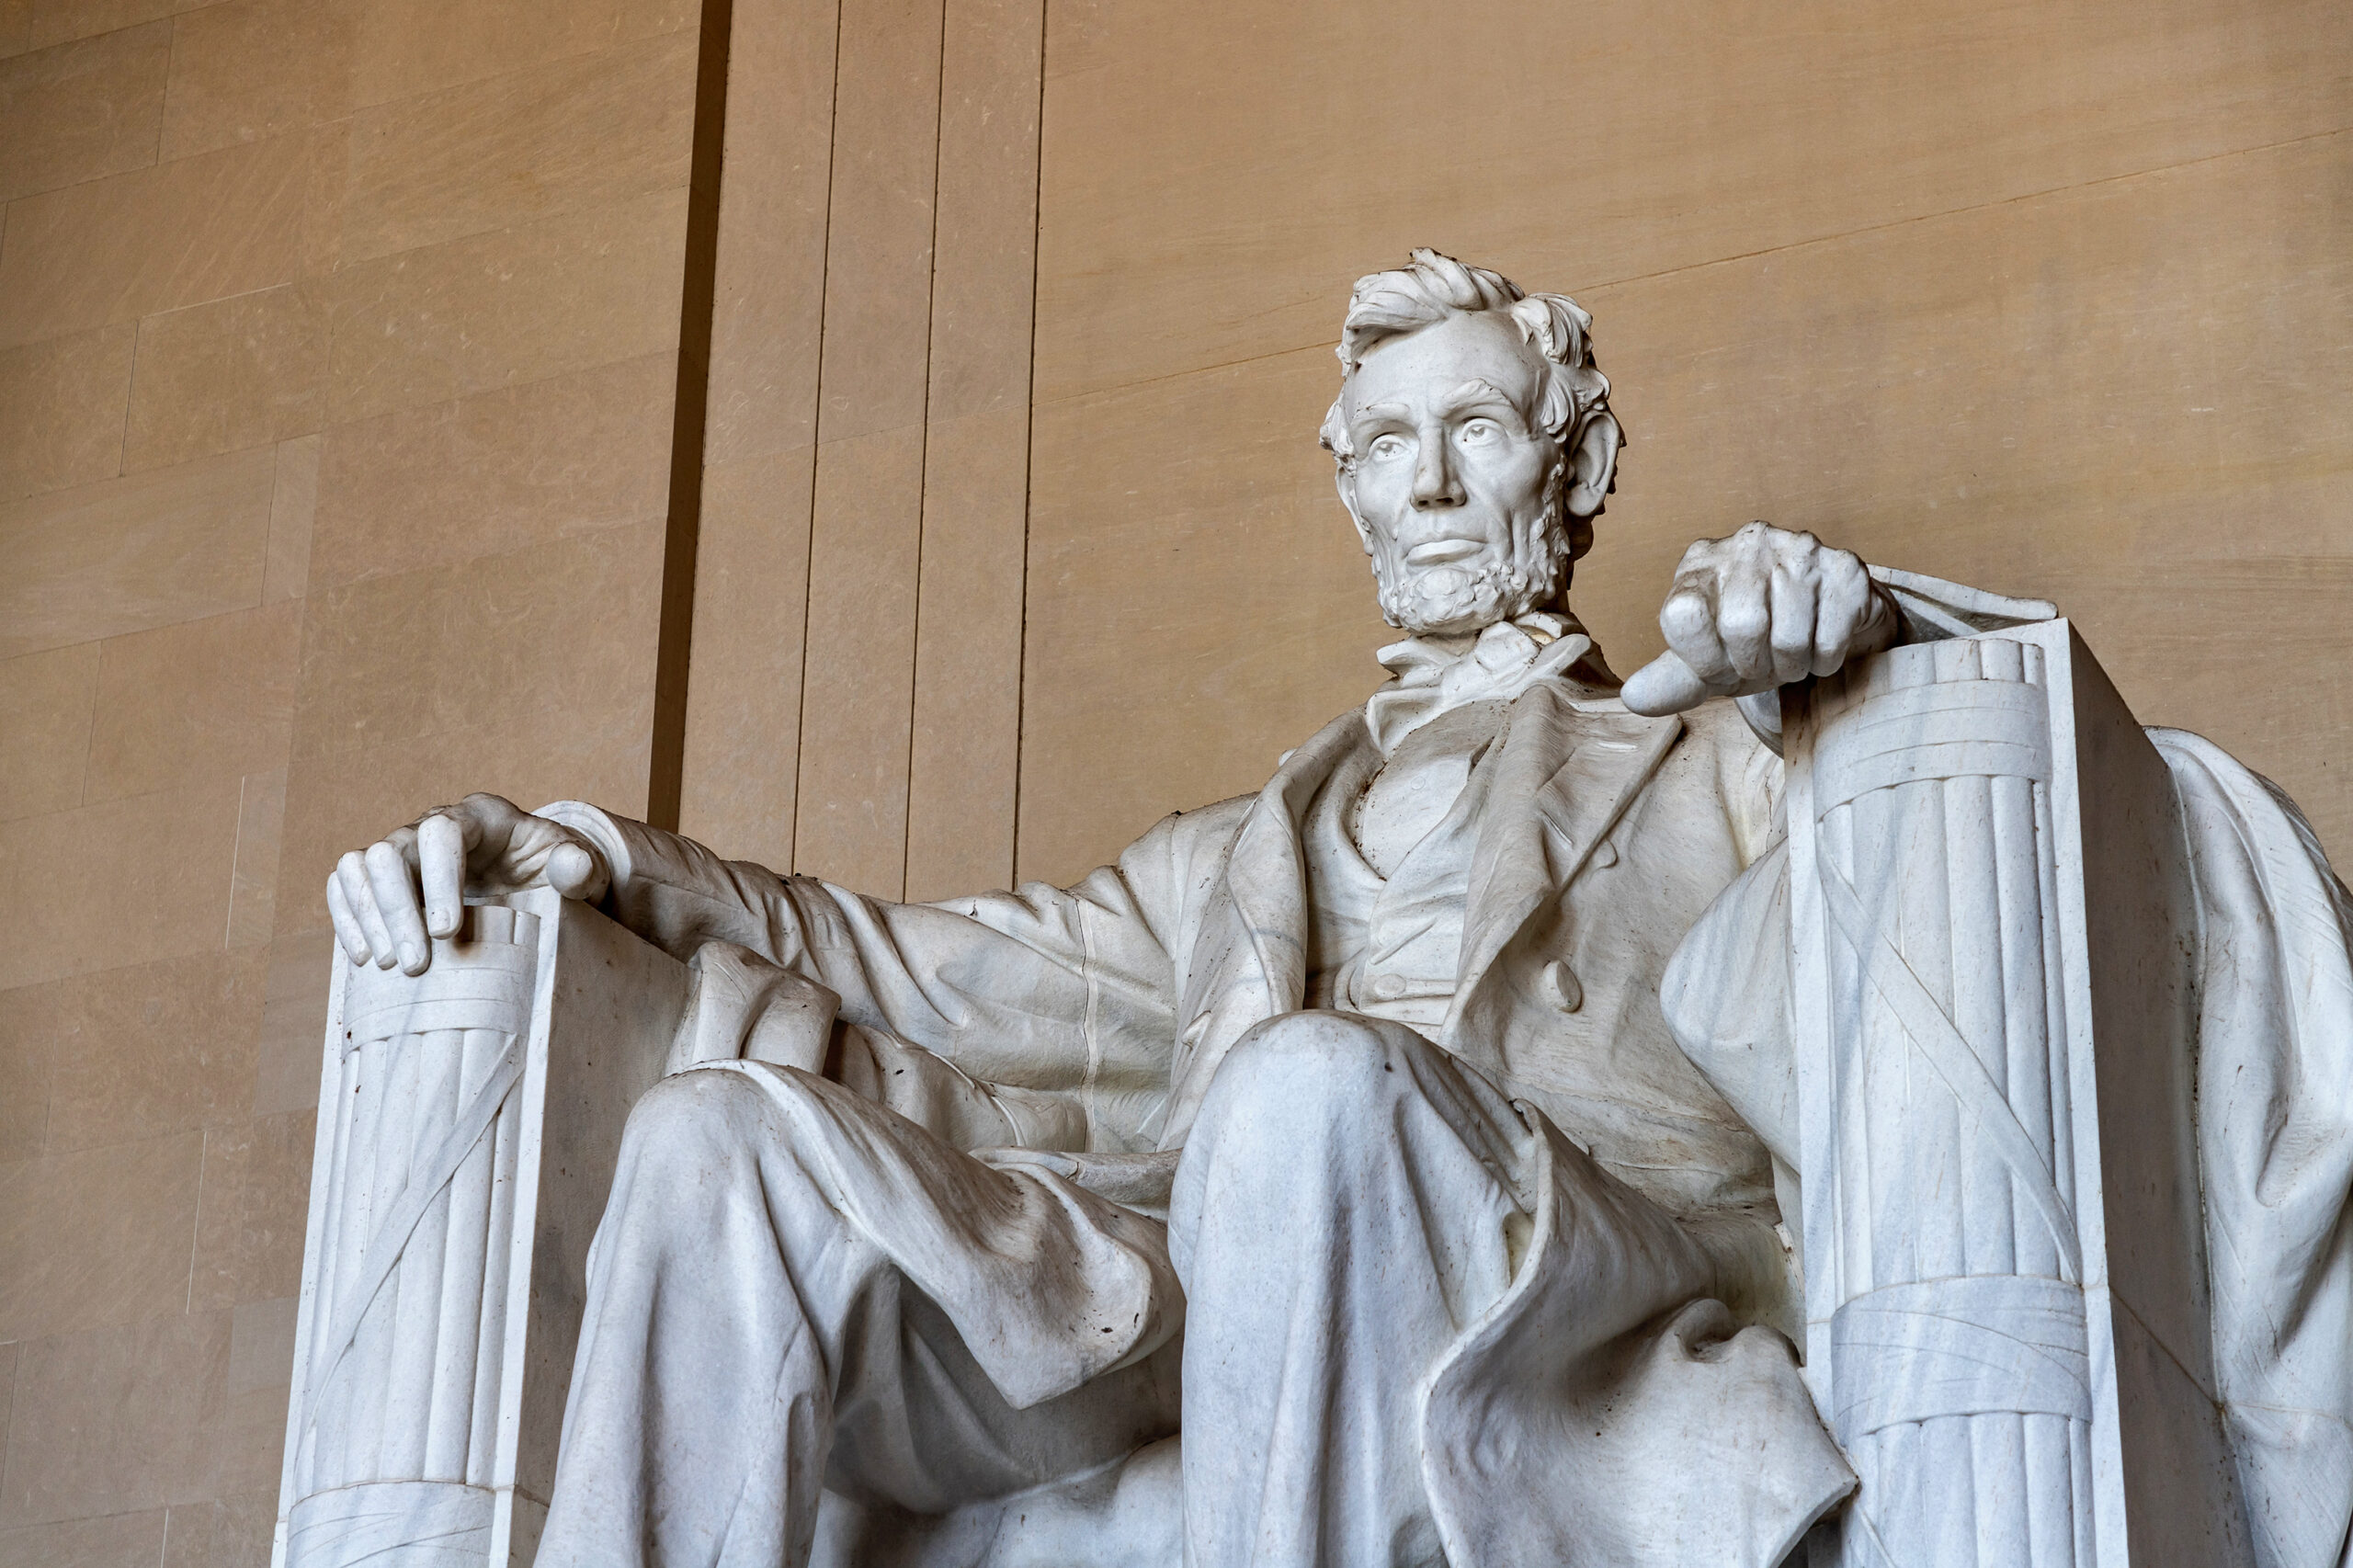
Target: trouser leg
<point x="752" y="1331"/>
<point x="1347" y="1205"/>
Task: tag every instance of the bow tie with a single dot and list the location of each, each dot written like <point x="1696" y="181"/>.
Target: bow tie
<point x="1436" y="674"/>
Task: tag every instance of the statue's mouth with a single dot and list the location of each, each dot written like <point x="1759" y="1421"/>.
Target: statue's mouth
<point x="1444" y="551"/>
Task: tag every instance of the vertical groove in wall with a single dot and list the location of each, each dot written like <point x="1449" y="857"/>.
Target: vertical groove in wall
<point x="922" y="503"/>
<point x="963" y="751"/>
<point x="743" y="713"/>
<point x="1030" y="431"/>
<point x="673" y="648"/>
<point x="809" y="538"/>
<point x="859" y="656"/>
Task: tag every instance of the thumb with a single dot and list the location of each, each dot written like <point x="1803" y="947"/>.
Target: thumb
<point x="578" y="871"/>
<point x="1665" y="685"/>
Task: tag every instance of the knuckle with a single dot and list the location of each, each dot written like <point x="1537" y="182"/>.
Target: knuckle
<point x="1684" y="615"/>
<point x="1742" y="617"/>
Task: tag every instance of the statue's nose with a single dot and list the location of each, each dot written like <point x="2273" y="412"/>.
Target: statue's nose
<point x="1434" y="481"/>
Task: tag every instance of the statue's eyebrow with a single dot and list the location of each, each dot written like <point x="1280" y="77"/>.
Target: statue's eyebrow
<point x="1473" y="392"/>
<point x="1385" y="411"/>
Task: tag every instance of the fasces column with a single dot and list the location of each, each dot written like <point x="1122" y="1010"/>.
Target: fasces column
<point x="1959" y="1359"/>
<point x="397" y="1443"/>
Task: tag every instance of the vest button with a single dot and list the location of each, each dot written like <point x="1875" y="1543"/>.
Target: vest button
<point x="1561" y="980"/>
<point x="1389" y="987"/>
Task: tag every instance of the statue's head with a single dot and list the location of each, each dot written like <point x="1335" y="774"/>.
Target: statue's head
<point x="1474" y="441"/>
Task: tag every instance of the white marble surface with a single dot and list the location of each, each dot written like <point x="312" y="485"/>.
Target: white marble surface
<point x="1355" y="1172"/>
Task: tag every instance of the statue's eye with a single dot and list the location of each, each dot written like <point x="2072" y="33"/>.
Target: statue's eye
<point x="1478" y="432"/>
<point x="1387" y="448"/>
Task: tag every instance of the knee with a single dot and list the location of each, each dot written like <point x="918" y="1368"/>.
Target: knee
<point x="699" y="1122"/>
<point x="1297" y="1078"/>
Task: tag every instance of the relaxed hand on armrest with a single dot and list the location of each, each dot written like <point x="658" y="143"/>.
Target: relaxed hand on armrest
<point x="387" y="898"/>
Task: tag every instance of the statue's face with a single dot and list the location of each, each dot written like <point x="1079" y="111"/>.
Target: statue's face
<point x="1455" y="488"/>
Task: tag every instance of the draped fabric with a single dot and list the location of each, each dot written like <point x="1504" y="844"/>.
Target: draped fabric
<point x="2274" y="1123"/>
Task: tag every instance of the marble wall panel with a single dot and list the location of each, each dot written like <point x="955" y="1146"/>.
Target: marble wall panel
<point x="37" y="24"/>
<point x="1200" y="506"/>
<point x="871" y="735"/>
<point x="250" y="1219"/>
<point x="406" y="48"/>
<point x="740" y="762"/>
<point x="964" y="752"/>
<point x="249" y="70"/>
<point x="579" y="132"/>
<point x="483" y="647"/>
<point x="1207" y="222"/>
<point x="94" y="1237"/>
<point x="141" y="1052"/>
<point x="866" y="524"/>
<point x="153" y="550"/>
<point x="293" y="511"/>
<point x="228" y="374"/>
<point x="230" y="1532"/>
<point x="47" y="704"/>
<point x="408" y="277"/>
<point x="60" y="410"/>
<point x="202" y="697"/>
<point x="116" y="1540"/>
<point x="120" y="883"/>
<point x="117" y="1420"/>
<point x="521" y="304"/>
<point x="79" y="110"/>
<point x="84" y="255"/>
<point x="438" y="483"/>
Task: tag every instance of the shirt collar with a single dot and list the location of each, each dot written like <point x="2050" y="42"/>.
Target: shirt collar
<point x="1434" y="675"/>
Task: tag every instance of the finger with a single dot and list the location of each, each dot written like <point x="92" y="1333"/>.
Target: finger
<point x="576" y="871"/>
<point x="1745" y="621"/>
<point x="1688" y="620"/>
<point x="394" y="885"/>
<point x="347" y="929"/>
<point x="1792" y="597"/>
<point x="488" y="823"/>
<point x="1846" y="596"/>
<point x="1665" y="685"/>
<point x="441" y="868"/>
<point x="352" y="872"/>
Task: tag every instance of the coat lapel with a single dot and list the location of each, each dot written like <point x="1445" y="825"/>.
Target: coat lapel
<point x="1567" y="771"/>
<point x="1249" y="960"/>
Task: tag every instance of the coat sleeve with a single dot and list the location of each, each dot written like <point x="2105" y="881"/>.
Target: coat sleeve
<point x="1047" y="989"/>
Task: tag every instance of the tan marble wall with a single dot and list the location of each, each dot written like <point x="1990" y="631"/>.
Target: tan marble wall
<point x="339" y="472"/>
<point x="2052" y="297"/>
<point x="337" y="382"/>
<point x="854" y="701"/>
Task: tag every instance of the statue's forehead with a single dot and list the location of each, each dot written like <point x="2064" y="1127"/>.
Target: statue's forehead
<point x="1422" y="368"/>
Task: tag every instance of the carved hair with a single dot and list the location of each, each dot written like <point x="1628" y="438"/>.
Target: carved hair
<point x="1432" y="287"/>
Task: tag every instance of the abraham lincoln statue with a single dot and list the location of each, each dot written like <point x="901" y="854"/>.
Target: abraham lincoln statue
<point x="1321" y="1184"/>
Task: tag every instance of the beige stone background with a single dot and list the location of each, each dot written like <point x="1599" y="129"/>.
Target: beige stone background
<point x="359" y="445"/>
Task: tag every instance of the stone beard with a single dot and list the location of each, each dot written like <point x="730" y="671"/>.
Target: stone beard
<point x="1440" y="601"/>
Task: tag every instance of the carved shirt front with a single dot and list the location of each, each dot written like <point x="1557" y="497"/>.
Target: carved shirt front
<point x="1389" y="841"/>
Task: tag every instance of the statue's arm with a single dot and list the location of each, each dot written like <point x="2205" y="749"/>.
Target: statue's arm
<point x="1043" y="987"/>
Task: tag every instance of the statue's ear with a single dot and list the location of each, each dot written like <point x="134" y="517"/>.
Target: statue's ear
<point x="1593" y="464"/>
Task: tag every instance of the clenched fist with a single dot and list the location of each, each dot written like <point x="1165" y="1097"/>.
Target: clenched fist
<point x="1759" y="610"/>
<point x="386" y="898"/>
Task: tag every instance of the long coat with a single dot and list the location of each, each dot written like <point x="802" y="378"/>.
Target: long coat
<point x="1096" y="1016"/>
